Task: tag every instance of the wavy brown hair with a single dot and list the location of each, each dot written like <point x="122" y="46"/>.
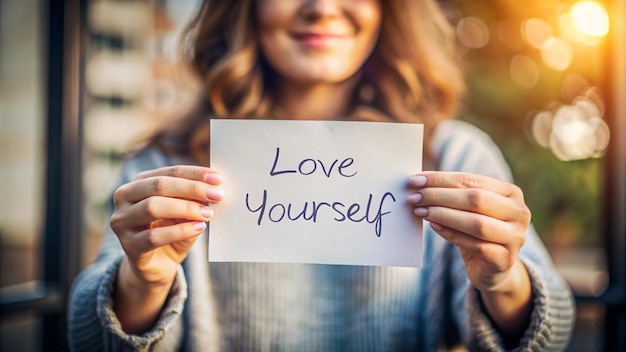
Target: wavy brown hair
<point x="413" y="74"/>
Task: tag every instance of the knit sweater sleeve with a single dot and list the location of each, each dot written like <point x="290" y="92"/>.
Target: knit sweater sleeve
<point x="92" y="323"/>
<point x="461" y="147"/>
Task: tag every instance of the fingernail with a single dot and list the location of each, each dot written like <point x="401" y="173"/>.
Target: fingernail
<point x="199" y="226"/>
<point x="215" y="193"/>
<point x="417" y="181"/>
<point x="422" y="212"/>
<point x="206" y="212"/>
<point x="414" y="198"/>
<point x="213" y="178"/>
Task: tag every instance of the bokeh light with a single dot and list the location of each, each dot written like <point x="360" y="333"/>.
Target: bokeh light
<point x="556" y="53"/>
<point x="573" y="131"/>
<point x="536" y="31"/>
<point x="590" y="18"/>
<point x="541" y="128"/>
<point x="472" y="32"/>
<point x="568" y="30"/>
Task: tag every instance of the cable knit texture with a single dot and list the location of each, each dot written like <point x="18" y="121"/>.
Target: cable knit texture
<point x="303" y="307"/>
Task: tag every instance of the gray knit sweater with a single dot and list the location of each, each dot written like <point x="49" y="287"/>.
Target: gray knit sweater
<point x="303" y="307"/>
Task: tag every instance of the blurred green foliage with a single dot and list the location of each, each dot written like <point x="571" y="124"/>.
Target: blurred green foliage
<point x="555" y="190"/>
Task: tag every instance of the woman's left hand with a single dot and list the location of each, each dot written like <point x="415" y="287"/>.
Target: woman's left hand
<point x="485" y="217"/>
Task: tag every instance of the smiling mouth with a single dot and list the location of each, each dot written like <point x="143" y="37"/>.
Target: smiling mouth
<point x="318" y="40"/>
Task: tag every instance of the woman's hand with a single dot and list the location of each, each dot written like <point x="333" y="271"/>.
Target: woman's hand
<point x="487" y="220"/>
<point x="157" y="218"/>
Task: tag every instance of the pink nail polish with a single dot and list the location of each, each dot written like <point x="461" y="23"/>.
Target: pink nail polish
<point x="414" y="198"/>
<point x="206" y="212"/>
<point x="215" y="193"/>
<point x="417" y="181"/>
<point x="421" y="212"/>
<point x="199" y="226"/>
<point x="213" y="178"/>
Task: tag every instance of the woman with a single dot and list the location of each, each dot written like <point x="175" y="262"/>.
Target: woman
<point x="487" y="280"/>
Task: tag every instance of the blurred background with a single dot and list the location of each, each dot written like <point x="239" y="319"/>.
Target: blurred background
<point x="84" y="82"/>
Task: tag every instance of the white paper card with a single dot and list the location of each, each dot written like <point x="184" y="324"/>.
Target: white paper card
<point x="327" y="192"/>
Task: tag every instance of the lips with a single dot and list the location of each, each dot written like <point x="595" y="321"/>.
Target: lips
<point x="318" y="40"/>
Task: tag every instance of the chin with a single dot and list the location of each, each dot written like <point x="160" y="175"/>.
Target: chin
<point x="322" y="75"/>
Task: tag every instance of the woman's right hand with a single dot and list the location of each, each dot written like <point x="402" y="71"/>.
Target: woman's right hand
<point x="158" y="217"/>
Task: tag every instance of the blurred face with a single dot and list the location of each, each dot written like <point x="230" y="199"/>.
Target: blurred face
<point x="317" y="41"/>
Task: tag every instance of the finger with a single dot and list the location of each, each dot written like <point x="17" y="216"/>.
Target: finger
<point x="166" y="222"/>
<point x="156" y="237"/>
<point x="490" y="253"/>
<point x="167" y="186"/>
<point x="472" y="200"/>
<point x="479" y="226"/>
<point x="190" y="172"/>
<point x="440" y="179"/>
<point x="142" y="214"/>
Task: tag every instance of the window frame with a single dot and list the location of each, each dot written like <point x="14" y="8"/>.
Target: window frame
<point x="63" y="37"/>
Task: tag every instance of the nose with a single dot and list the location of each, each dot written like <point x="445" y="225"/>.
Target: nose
<point x="316" y="9"/>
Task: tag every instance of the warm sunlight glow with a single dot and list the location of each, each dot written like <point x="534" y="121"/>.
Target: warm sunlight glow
<point x="590" y="18"/>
